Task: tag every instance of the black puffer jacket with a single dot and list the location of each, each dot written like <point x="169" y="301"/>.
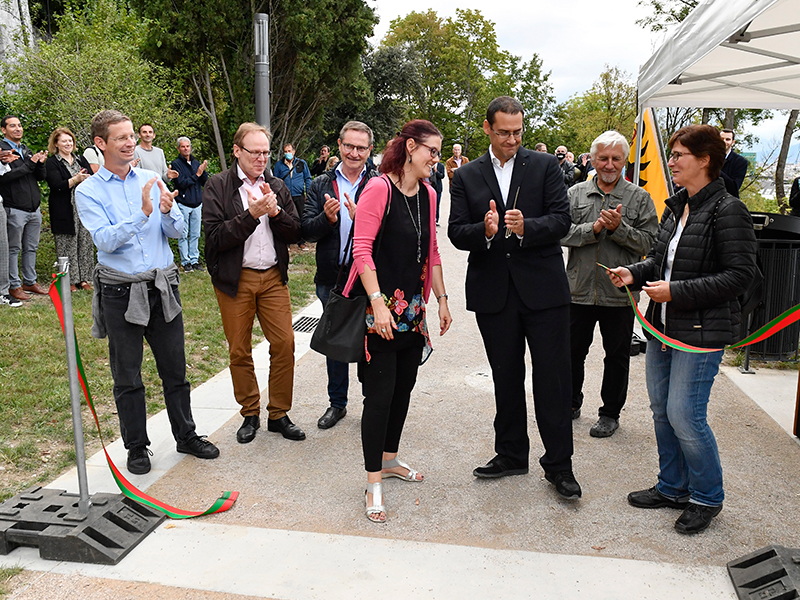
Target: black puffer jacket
<point x="317" y="228"/>
<point x="714" y="264"/>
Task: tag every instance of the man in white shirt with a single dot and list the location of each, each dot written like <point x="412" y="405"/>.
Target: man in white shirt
<point x="147" y="156"/>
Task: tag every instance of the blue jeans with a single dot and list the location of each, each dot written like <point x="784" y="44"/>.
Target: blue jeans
<point x="338" y="372"/>
<point x="23" y="238"/>
<point x="187" y="243"/>
<point x="679" y="384"/>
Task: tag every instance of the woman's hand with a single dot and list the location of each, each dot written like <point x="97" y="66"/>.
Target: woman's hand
<point x="384" y="323"/>
<point x="445" y="320"/>
<point x="620" y="276"/>
<point x="658" y="291"/>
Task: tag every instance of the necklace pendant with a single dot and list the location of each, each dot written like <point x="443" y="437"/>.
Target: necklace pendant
<point x="419" y="254"/>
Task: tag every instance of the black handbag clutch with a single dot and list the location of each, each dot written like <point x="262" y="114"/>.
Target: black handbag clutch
<point x="339" y="335"/>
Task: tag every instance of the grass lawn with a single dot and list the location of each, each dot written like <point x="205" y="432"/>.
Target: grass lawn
<point x="36" y="442"/>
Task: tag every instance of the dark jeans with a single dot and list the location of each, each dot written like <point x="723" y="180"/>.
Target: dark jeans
<point x="389" y="379"/>
<point x="616" y="327"/>
<point x="125" y="356"/>
<point x="338" y="372"/>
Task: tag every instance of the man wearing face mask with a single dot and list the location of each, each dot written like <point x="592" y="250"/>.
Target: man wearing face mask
<point x="614" y="222"/>
<point x="566" y="166"/>
<point x="297" y="177"/>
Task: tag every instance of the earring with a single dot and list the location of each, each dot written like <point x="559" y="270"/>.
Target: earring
<point x="409" y="160"/>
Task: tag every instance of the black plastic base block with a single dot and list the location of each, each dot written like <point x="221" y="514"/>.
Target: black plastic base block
<point x="50" y="520"/>
<point x="772" y="573"/>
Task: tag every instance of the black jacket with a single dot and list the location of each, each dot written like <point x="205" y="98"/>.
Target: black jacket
<point x="714" y="263"/>
<point x="60" y="202"/>
<point x="19" y="187"/>
<point x="734" y="171"/>
<point x="188" y="184"/>
<point x="317" y="228"/>
<point x="227" y="225"/>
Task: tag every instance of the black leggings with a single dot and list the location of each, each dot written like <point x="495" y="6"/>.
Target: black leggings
<point x="388" y="380"/>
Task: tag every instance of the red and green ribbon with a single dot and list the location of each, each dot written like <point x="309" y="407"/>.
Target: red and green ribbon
<point x="222" y="503"/>
<point x="782" y="321"/>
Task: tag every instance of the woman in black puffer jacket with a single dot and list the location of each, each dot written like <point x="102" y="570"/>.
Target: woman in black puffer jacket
<point x="703" y="259"/>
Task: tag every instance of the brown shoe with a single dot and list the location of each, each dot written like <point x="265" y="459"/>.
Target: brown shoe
<point x="35" y="288"/>
<point x="18" y="294"/>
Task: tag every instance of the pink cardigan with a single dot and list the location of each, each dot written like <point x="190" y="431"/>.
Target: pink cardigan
<point x="369" y="214"/>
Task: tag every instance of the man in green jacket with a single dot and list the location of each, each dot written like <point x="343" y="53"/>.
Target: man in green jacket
<point x="614" y="223"/>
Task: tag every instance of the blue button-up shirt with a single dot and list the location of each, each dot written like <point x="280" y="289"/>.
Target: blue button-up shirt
<point x="14" y="145"/>
<point x="345" y="222"/>
<point x="127" y="240"/>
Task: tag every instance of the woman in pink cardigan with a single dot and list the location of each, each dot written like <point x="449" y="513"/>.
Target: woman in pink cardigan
<point x="396" y="266"/>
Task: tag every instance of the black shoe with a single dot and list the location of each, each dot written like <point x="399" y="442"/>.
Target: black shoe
<point x="187" y="268"/>
<point x="605" y="427"/>
<point x="197" y="267"/>
<point x="247" y="432"/>
<point x="198" y="446"/>
<point x="138" y="460"/>
<point x="652" y="498"/>
<point x="576" y="412"/>
<point x="499" y="466"/>
<point x="331" y="417"/>
<point x="286" y="428"/>
<point x="565" y="483"/>
<point x="696" y="518"/>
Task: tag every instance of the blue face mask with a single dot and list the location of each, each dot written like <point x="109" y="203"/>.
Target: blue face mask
<point x="289" y="156"/>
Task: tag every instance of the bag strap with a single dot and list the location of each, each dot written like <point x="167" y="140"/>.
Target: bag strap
<point x="379" y="237"/>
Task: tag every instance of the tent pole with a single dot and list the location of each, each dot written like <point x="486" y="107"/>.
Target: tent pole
<point x="664" y="161"/>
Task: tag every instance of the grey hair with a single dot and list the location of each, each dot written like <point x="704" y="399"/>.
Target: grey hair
<point x="183" y="138"/>
<point x="357" y="126"/>
<point x="610" y="138"/>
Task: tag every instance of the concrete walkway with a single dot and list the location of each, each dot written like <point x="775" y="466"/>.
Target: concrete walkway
<point x="298" y="530"/>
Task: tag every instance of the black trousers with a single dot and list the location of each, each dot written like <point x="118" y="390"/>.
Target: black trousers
<point x="388" y="380"/>
<point x="125" y="350"/>
<point x="616" y="327"/>
<point x="547" y="334"/>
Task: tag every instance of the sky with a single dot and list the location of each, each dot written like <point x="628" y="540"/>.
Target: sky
<point x="575" y="39"/>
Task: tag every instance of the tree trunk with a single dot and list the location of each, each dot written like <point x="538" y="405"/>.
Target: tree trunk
<point x="211" y="112"/>
<point x="780" y="168"/>
<point x="706" y="116"/>
<point x="730" y="118"/>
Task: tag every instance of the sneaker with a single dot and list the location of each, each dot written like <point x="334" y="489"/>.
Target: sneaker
<point x="197" y="267"/>
<point x="652" y="498"/>
<point x="696" y="518"/>
<point x="605" y="427"/>
<point x="138" y="460"/>
<point x="10" y="300"/>
<point x="565" y="483"/>
<point x="198" y="446"/>
<point x="187" y="268"/>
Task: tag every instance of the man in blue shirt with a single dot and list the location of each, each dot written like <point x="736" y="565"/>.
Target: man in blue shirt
<point x="297" y="177"/>
<point x="136" y="288"/>
<point x="327" y="220"/>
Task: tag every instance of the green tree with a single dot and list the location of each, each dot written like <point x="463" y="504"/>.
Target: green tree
<point x="92" y="63"/>
<point x="315" y="48"/>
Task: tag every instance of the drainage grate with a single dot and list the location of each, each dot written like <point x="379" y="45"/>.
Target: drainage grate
<point x="305" y="324"/>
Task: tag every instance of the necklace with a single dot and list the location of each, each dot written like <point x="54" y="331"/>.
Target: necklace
<point x="417" y="225"/>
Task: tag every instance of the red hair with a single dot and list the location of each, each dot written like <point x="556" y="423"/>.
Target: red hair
<point x="395" y="155"/>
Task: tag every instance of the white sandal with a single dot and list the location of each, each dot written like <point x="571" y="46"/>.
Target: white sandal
<point x="395" y="462"/>
<point x="374" y="511"/>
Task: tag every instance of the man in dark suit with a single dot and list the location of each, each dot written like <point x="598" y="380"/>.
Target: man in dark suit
<point x="735" y="167"/>
<point x="509" y="209"/>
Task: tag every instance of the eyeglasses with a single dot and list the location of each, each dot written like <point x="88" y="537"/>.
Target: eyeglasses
<point x="359" y="149"/>
<point x="504" y="135"/>
<point x="434" y="152"/>
<point x="675" y="156"/>
<point x="262" y="154"/>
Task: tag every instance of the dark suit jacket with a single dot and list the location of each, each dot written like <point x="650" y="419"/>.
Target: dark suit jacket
<point x="60" y="202"/>
<point x="535" y="265"/>
<point x="227" y="225"/>
<point x="733" y="172"/>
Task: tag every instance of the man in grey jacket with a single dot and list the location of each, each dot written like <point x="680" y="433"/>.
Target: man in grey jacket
<point x="614" y="223"/>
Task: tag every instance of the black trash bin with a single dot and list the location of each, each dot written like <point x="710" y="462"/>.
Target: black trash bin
<point x="779" y="252"/>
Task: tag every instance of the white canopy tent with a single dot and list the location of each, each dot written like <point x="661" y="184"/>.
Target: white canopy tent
<point x="728" y="54"/>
